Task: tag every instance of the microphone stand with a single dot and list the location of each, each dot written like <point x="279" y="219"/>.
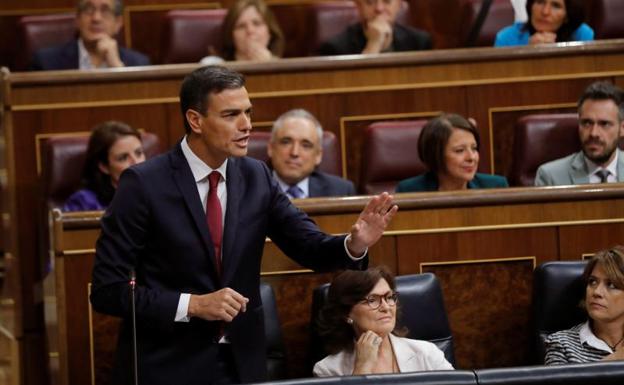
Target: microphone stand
<point x="134" y="328"/>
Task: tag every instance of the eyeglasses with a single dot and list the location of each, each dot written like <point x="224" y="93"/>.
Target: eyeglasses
<point x="374" y="300"/>
<point x="90" y="10"/>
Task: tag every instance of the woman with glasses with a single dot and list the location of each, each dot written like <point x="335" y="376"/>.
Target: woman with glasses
<point x="358" y="324"/>
<point x="601" y="337"/>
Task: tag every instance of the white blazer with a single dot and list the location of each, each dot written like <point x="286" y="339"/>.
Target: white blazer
<point x="411" y="356"/>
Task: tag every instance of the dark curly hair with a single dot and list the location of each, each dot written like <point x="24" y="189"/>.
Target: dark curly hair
<point x="575" y="16"/>
<point x="347" y="289"/>
<point x="103" y="137"/>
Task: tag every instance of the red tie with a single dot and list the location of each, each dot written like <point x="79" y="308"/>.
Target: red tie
<point x="214" y="217"/>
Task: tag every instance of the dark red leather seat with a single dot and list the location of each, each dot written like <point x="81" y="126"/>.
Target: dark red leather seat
<point x="390" y="155"/>
<point x="191" y="35"/>
<point x="606" y="18"/>
<point x="501" y="15"/>
<point x="539" y="139"/>
<point x="40" y="31"/>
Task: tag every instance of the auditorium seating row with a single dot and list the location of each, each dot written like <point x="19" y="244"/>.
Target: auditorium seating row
<point x="557" y="290"/>
<point x="189" y="35"/>
<point x="390" y="153"/>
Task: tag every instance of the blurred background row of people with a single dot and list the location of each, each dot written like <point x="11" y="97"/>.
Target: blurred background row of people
<point x="251" y="32"/>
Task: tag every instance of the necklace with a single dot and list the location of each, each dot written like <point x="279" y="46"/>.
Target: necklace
<point x="614" y="345"/>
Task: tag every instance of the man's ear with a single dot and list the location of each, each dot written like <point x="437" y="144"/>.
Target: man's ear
<point x="194" y="119"/>
<point x="319" y="156"/>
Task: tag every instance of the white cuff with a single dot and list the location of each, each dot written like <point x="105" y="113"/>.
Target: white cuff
<point x="347" y="249"/>
<point x="182" y="312"/>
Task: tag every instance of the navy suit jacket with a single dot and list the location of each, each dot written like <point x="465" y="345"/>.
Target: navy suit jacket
<point x="326" y="185"/>
<point x="156" y="225"/>
<point x="65" y="57"/>
<point x="429" y="182"/>
<point x="353" y="40"/>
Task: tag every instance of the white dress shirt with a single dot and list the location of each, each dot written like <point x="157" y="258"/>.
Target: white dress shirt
<point x="200" y="172"/>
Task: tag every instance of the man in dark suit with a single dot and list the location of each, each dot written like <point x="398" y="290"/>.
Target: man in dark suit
<point x="192" y="224"/>
<point x="98" y="22"/>
<point x="377" y="32"/>
<point x="295" y="151"/>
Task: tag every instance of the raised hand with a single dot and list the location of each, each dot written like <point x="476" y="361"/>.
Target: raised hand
<point x="371" y="223"/>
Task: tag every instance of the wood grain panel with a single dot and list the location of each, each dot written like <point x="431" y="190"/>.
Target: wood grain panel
<point x="575" y="241"/>
<point x="414" y="250"/>
<point x="488" y="304"/>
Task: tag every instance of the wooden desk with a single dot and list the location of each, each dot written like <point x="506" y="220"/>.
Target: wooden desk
<point x="493" y="85"/>
<point x="483" y="245"/>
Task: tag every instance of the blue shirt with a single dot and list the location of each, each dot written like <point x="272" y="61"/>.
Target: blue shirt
<point x="83" y="200"/>
<point x="516" y="34"/>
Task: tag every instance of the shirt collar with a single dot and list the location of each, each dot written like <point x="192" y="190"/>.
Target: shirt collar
<point x="611" y="167"/>
<point x="303" y="184"/>
<point x="199" y="168"/>
<point x="588" y="337"/>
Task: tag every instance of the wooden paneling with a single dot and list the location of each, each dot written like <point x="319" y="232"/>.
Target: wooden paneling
<point x="342" y="93"/>
<point x="488" y="303"/>
<point x="482" y="245"/>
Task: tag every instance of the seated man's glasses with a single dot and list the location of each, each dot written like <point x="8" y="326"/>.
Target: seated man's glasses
<point x="374" y="300"/>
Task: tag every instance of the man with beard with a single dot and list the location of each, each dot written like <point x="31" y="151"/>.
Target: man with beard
<point x="601" y="124"/>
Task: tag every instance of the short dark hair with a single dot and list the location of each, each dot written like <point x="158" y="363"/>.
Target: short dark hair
<point x="346" y="290"/>
<point x="603" y="91"/>
<point x="117" y="7"/>
<point x="199" y="84"/>
<point x="575" y="16"/>
<point x="103" y="137"/>
<point x="435" y="135"/>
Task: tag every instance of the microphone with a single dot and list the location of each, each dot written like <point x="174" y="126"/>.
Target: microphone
<point x="134" y="328"/>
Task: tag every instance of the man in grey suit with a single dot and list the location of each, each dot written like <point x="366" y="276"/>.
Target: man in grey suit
<point x="601" y="125"/>
<point x="296" y="150"/>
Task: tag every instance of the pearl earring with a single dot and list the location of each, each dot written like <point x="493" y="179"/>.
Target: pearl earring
<point x="349" y="321"/>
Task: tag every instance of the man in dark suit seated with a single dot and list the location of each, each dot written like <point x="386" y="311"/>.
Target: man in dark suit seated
<point x="98" y="22"/>
<point x="377" y="32"/>
<point x="191" y="225"/>
<point x="296" y="150"/>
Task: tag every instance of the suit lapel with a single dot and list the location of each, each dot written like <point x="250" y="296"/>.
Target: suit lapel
<point x="578" y="172"/>
<point x="620" y="166"/>
<point x="316" y="186"/>
<point x="235" y="185"/>
<point x="186" y="184"/>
